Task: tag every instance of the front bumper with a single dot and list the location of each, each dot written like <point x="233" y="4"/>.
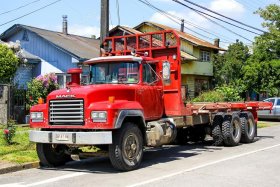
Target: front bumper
<point x="79" y="138"/>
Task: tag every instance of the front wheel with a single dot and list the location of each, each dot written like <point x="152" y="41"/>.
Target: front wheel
<point x="52" y="155"/>
<point x="126" y="152"/>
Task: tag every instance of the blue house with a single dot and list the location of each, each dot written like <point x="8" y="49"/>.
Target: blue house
<point x="50" y="51"/>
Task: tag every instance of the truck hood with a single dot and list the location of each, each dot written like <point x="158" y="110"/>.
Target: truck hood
<point x="96" y="93"/>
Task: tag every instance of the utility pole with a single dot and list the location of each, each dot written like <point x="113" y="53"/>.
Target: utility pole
<point x="104" y="20"/>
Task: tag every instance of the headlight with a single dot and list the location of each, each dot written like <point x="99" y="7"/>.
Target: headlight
<point x="99" y="116"/>
<point x="36" y="116"/>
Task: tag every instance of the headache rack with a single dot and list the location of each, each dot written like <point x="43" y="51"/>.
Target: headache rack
<point x="141" y="43"/>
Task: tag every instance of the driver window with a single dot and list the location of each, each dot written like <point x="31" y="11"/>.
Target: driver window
<point x="149" y="75"/>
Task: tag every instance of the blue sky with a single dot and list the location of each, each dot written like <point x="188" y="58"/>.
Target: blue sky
<point x="84" y="15"/>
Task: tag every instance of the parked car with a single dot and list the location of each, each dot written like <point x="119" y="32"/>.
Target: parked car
<point x="274" y="113"/>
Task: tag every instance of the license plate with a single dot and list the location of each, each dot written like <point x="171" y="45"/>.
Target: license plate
<point x="62" y="137"/>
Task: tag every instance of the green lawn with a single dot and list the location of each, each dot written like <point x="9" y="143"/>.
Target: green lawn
<point x="21" y="151"/>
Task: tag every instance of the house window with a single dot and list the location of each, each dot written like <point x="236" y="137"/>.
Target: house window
<point x="205" y="56"/>
<point x="25" y="36"/>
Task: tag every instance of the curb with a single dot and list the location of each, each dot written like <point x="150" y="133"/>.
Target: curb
<point x="19" y="167"/>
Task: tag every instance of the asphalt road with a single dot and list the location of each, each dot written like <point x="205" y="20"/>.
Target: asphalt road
<point x="255" y="164"/>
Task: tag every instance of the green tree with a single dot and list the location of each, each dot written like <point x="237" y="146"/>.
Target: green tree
<point x="8" y="63"/>
<point x="228" y="66"/>
<point x="262" y="72"/>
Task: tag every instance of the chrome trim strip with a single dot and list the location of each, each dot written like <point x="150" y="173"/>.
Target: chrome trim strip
<point x="81" y="138"/>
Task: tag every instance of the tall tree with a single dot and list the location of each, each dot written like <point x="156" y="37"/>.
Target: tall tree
<point x="228" y="66"/>
<point x="262" y="72"/>
<point x="8" y="63"/>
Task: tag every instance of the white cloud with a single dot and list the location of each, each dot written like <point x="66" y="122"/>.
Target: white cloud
<point x="188" y="16"/>
<point x="83" y="30"/>
<point x="228" y="7"/>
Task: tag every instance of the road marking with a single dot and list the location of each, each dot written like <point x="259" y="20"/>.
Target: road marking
<point x="45" y="181"/>
<point x="57" y="179"/>
<point x="201" y="166"/>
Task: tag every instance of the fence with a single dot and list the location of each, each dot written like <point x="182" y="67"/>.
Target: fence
<point x="12" y="104"/>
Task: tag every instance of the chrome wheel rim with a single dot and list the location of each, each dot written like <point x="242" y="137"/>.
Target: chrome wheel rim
<point x="131" y="147"/>
<point x="236" y="129"/>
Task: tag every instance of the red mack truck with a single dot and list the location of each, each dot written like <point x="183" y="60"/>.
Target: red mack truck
<point x="135" y="99"/>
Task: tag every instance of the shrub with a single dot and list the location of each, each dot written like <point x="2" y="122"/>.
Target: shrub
<point x="9" y="131"/>
<point x="40" y="86"/>
<point x="210" y="96"/>
<point x="229" y="93"/>
<point x="219" y="94"/>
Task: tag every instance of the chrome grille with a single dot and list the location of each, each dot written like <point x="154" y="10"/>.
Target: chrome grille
<point x="66" y="112"/>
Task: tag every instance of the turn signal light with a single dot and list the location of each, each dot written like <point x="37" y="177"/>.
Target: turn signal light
<point x="40" y="100"/>
<point x="111" y="99"/>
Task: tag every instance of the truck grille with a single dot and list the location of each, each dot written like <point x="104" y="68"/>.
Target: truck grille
<point x="66" y="112"/>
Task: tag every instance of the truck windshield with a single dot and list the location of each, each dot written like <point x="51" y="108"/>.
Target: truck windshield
<point x="114" y="73"/>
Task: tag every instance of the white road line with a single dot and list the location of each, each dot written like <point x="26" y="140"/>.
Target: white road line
<point x="56" y="179"/>
<point x="201" y="166"/>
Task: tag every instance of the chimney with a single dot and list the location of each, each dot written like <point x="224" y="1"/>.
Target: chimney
<point x="217" y="42"/>
<point x="182" y="25"/>
<point x="64" y="25"/>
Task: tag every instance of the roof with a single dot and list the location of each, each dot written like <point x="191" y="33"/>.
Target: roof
<point x="78" y="47"/>
<point x="113" y="58"/>
<point x="125" y="29"/>
<point x="187" y="56"/>
<point x="193" y="39"/>
<point x="30" y="57"/>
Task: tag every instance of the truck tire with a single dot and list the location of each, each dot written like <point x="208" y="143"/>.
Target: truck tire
<point x="126" y="152"/>
<point x="217" y="129"/>
<point x="248" y="127"/>
<point x="231" y="130"/>
<point x="182" y="136"/>
<point x="52" y="155"/>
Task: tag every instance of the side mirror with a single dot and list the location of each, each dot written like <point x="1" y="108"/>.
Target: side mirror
<point x="166" y="72"/>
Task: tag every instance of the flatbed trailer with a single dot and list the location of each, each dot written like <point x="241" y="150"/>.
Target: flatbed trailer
<point x="135" y="98"/>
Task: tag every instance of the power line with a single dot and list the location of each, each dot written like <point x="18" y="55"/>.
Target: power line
<point x="244" y="24"/>
<point x="223" y="27"/>
<point x="30" y="13"/>
<point x="169" y="16"/>
<point x="180" y="19"/>
<point x="214" y="17"/>
<point x="173" y="17"/>
<point x="22" y="6"/>
<point x="118" y="11"/>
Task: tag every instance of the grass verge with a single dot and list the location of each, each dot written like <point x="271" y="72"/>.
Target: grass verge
<point x="21" y="150"/>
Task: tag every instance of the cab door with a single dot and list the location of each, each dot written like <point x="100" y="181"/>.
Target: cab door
<point x="150" y="94"/>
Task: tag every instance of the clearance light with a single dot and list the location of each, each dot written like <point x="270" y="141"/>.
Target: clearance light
<point x="111" y="99"/>
<point x="40" y="100"/>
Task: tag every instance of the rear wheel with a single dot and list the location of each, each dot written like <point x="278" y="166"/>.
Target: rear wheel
<point x="231" y="130"/>
<point x="52" y="155"/>
<point x="217" y="130"/>
<point x="248" y="127"/>
<point x="126" y="152"/>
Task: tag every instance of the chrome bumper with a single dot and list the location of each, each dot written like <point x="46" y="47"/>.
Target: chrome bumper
<point x="81" y="138"/>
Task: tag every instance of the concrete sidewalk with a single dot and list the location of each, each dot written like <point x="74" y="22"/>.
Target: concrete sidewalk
<point x="7" y="167"/>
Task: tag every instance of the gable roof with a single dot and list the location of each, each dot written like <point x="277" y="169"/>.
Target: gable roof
<point x="78" y="47"/>
<point x="124" y="29"/>
<point x="193" y="39"/>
